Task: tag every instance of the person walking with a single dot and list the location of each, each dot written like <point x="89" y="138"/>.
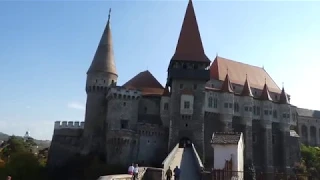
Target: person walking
<point x="130" y="169"/>
<point x="169" y="173"/>
<point x="176" y="173"/>
<point x="135" y="172"/>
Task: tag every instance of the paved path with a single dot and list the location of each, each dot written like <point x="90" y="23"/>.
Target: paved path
<point x="184" y="159"/>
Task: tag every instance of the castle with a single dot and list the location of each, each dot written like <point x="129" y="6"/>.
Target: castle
<point x="141" y="120"/>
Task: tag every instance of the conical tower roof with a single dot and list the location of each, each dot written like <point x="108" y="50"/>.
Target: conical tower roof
<point x="246" y="91"/>
<point x="189" y="47"/>
<point x="103" y="60"/>
<point x="265" y="95"/>
<point x="283" y="97"/>
<point x="226" y="86"/>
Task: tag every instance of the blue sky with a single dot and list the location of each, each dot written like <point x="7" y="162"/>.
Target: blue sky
<point x="46" y="49"/>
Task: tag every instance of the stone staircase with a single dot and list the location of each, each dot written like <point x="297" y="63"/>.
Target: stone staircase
<point x="185" y="160"/>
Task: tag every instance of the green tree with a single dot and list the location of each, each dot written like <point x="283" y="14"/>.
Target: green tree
<point x="311" y="159"/>
<point x="23" y="165"/>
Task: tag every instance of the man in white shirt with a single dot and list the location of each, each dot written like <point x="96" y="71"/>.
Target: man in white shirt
<point x="135" y="172"/>
<point x="130" y="169"/>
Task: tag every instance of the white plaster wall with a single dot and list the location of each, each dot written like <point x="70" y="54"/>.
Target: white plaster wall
<point x="223" y="153"/>
<point x="240" y="157"/>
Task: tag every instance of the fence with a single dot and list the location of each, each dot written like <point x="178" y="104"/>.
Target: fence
<point x="241" y="175"/>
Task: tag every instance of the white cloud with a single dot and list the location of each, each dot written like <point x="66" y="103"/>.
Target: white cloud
<point x="76" y="105"/>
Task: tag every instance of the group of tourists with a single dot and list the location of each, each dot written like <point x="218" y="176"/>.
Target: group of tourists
<point x="134" y="171"/>
<point x="176" y="172"/>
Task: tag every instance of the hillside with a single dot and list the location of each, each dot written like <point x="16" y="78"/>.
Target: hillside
<point x="40" y="143"/>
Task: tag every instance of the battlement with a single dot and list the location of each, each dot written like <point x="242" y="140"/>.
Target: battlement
<point x="68" y="125"/>
<point x="123" y="93"/>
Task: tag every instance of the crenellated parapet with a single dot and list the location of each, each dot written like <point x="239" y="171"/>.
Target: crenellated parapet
<point x="68" y="125"/>
<point x="123" y="93"/>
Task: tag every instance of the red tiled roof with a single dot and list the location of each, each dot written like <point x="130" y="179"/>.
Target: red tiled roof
<point x="238" y="71"/>
<point x="189" y="47"/>
<point x="226" y="86"/>
<point x="166" y="92"/>
<point x="146" y="83"/>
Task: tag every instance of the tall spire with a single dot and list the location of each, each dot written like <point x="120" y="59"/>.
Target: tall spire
<point x="189" y="47"/>
<point x="283" y="97"/>
<point x="246" y="91"/>
<point x="226" y="86"/>
<point x="265" y="95"/>
<point x="103" y="60"/>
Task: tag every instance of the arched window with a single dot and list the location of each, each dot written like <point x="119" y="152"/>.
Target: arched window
<point x="166" y="106"/>
<point x="210" y="102"/>
<point x="215" y="103"/>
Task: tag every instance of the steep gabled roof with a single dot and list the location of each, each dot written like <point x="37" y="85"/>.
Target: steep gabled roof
<point x="103" y="60"/>
<point x="237" y="72"/>
<point x="146" y="83"/>
<point x="283" y="97"/>
<point x="166" y="91"/>
<point x="225" y="138"/>
<point x="189" y="47"/>
<point x="265" y="95"/>
<point x="226" y="86"/>
<point x="246" y="91"/>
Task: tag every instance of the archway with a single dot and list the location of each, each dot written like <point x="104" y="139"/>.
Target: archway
<point x="185" y="143"/>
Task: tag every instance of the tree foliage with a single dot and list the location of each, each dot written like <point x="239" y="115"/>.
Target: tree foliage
<point x="310" y="160"/>
<point x="18" y="159"/>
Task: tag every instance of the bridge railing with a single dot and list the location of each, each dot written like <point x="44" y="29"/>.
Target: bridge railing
<point x="198" y="161"/>
<point x="167" y="161"/>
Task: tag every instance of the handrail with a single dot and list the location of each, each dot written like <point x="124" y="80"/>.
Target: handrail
<point x="166" y="162"/>
<point x="197" y="157"/>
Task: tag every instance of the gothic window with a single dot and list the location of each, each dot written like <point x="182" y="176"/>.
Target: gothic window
<point x="124" y="103"/>
<point x="254" y="137"/>
<point x="124" y="124"/>
<point x="236" y="107"/>
<point x="230" y="105"/>
<point x="225" y="105"/>
<point x="210" y="102"/>
<point x="215" y="103"/>
<point x="194" y="86"/>
<point x="284" y="115"/>
<point x="195" y="66"/>
<point x="254" y="110"/>
<point x="246" y="108"/>
<point x="275" y="115"/>
<point x="266" y="112"/>
<point x="276" y="97"/>
<point x="186" y="105"/>
<point x="166" y="106"/>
